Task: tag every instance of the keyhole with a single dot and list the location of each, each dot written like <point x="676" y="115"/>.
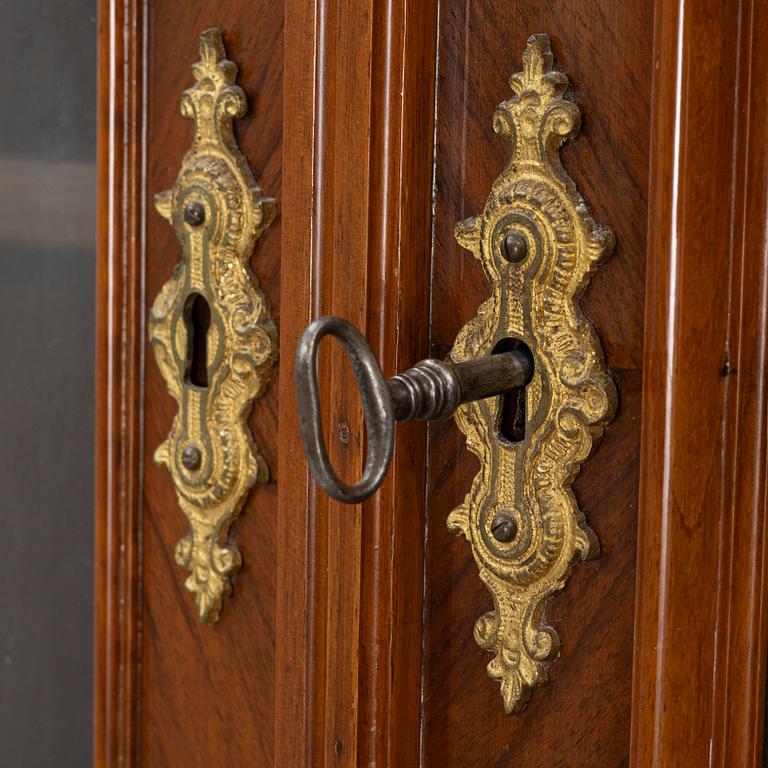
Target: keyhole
<point x="198" y="317"/>
<point x="513" y="407"/>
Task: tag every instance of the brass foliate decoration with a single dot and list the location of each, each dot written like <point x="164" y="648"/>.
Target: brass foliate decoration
<point x="538" y="246"/>
<point x="211" y="329"/>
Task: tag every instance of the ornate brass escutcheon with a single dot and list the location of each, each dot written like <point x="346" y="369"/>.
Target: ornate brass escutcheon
<point x="211" y="329"/>
<point x="538" y="246"/>
<point x="525" y="381"/>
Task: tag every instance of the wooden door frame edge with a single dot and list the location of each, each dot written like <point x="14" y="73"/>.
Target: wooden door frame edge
<point x="702" y="567"/>
<point x="120" y="315"/>
<point x="356" y="217"/>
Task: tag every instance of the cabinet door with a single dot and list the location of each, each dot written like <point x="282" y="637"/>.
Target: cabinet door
<point x="172" y="690"/>
<point x="347" y="638"/>
<point x="565" y="720"/>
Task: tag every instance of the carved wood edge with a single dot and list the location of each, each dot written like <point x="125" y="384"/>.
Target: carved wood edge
<point x="701" y="613"/>
<point x="120" y="314"/>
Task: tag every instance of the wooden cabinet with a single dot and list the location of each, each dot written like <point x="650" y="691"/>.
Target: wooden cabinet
<point x="348" y="638"/>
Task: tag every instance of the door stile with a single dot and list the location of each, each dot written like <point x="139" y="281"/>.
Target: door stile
<point x="357" y="228"/>
<point x="119" y="381"/>
<point x="740" y="684"/>
<point x="404" y="70"/>
<point x="700" y="641"/>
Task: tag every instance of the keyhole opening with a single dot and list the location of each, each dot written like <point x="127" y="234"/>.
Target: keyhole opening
<point x="512" y="418"/>
<point x="198" y="317"/>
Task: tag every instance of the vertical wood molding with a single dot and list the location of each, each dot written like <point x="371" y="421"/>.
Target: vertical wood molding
<point x="740" y="685"/>
<point x="700" y="641"/>
<point x="119" y="372"/>
<point x="356" y="216"/>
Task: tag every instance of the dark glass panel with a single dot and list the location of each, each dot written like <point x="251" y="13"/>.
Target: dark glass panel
<point x="47" y="240"/>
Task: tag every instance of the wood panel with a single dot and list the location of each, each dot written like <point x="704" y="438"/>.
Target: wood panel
<point x="207" y="692"/>
<point x="701" y="611"/>
<point x="358" y="164"/>
<point x="168" y="690"/>
<point x="119" y="369"/>
<point x="582" y="717"/>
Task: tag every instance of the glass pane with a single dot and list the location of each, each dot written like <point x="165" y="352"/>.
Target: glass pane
<point x="47" y="263"/>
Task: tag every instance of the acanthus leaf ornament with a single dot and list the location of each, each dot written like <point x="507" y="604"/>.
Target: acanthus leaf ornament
<point x="211" y="329"/>
<point x="570" y="397"/>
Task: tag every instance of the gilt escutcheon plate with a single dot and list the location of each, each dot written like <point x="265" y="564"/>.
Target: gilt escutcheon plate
<point x="211" y="329"/>
<point x="570" y="398"/>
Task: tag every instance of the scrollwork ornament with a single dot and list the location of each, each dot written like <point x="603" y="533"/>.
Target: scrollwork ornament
<point x="218" y="212"/>
<point x="570" y="398"/>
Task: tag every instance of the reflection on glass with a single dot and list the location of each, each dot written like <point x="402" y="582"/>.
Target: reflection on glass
<point x="47" y="240"/>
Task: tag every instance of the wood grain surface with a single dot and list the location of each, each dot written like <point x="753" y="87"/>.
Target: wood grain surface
<point x="208" y="692"/>
<point x="120" y="308"/>
<point x="582" y="717"/>
<point x="358" y="166"/>
<point x="699" y="686"/>
<point x="169" y="691"/>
